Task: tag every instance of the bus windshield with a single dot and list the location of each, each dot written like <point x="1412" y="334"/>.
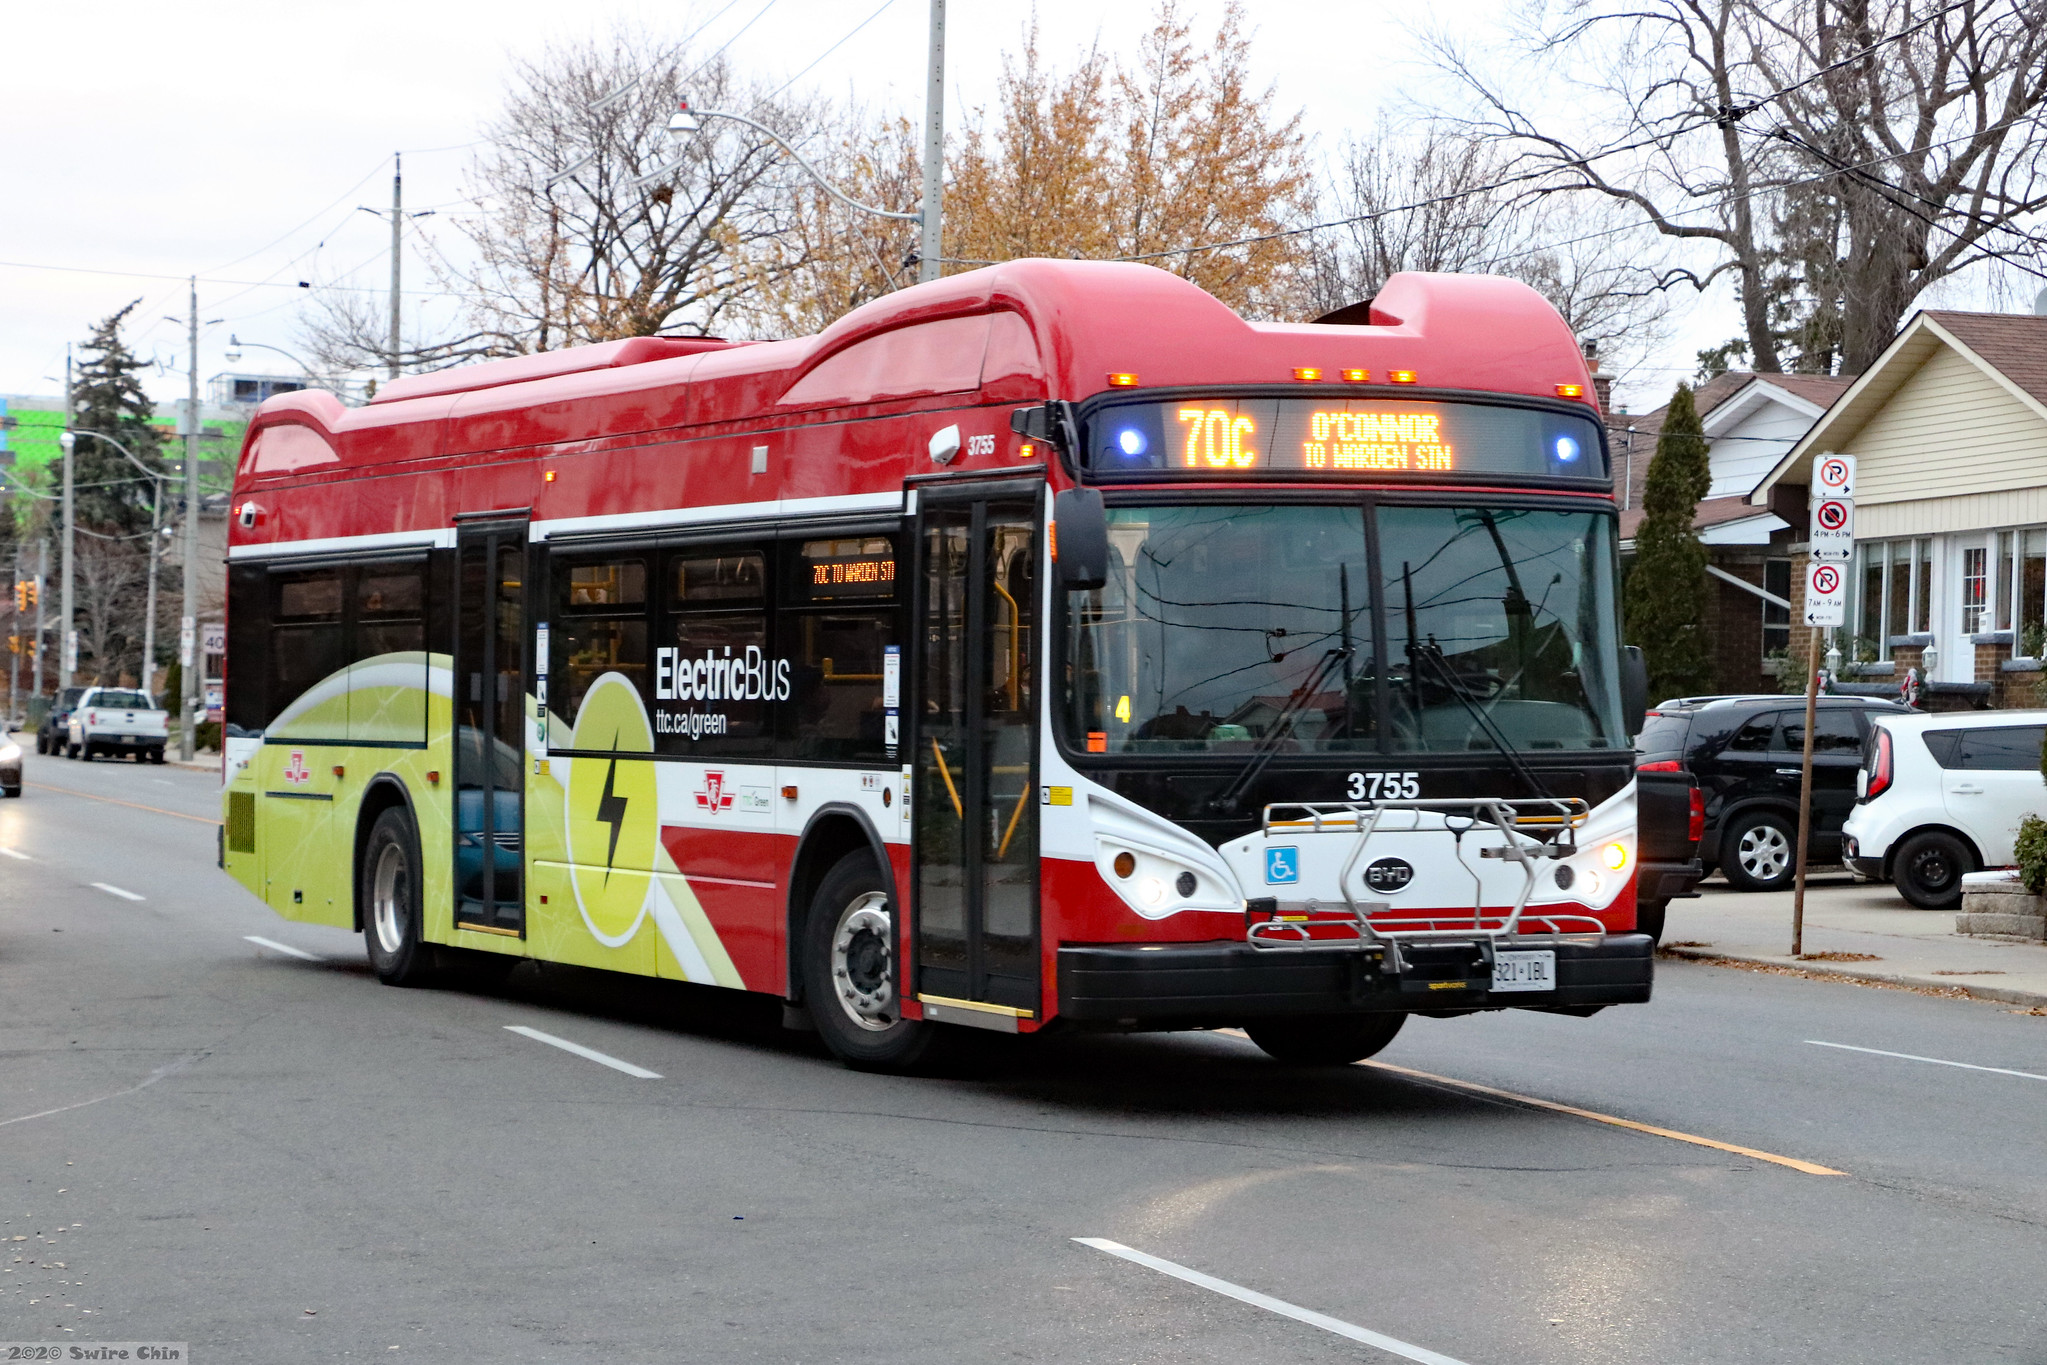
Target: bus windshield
<point x="1236" y="628"/>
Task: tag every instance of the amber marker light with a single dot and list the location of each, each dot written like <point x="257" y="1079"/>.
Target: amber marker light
<point x="547" y="476"/>
<point x="1357" y="376"/>
<point x="1570" y="390"/>
<point x="1122" y="381"/>
<point x="1401" y="376"/>
<point x="1026" y="451"/>
<point x="1307" y="374"/>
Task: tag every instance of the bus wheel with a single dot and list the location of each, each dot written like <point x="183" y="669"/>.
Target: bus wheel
<point x="850" y="972"/>
<point x="388" y="885"/>
<point x="1325" y="1039"/>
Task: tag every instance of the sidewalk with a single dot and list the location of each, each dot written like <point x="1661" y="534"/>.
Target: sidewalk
<point x="1905" y="947"/>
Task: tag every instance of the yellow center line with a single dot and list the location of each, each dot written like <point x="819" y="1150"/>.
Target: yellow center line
<point x="1810" y="1168"/>
<point x="132" y="805"/>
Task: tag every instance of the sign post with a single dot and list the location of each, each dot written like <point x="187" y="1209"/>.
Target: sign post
<point x="1830" y="544"/>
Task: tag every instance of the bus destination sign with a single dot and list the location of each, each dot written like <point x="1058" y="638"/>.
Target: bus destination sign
<point x="1250" y="436"/>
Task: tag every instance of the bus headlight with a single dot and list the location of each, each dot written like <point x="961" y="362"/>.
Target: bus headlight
<point x="1614" y="856"/>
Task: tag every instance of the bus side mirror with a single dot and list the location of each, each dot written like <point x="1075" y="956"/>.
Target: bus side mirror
<point x="1053" y="423"/>
<point x="1634" y="689"/>
<point x="1080" y="540"/>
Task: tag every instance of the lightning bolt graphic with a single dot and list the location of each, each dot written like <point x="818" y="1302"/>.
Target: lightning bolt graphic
<point x="611" y="811"/>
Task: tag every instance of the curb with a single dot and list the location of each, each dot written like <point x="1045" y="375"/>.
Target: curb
<point x="1999" y="995"/>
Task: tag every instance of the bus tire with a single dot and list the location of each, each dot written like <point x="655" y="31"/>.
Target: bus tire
<point x="851" y="974"/>
<point x="1324" y="1039"/>
<point x="388" y="892"/>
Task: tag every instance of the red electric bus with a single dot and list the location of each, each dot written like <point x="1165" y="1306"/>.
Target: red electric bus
<point x="1042" y="647"/>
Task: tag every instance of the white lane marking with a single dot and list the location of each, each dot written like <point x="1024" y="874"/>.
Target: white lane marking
<point x="1937" y="1061"/>
<point x="284" y="948"/>
<point x="16" y="853"/>
<point x="566" y="1046"/>
<point x="112" y="890"/>
<point x="1391" y="1345"/>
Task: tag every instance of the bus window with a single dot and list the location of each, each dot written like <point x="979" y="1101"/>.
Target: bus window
<point x="716" y="683"/>
<point x="836" y="639"/>
<point x="599" y="627"/>
<point x="309" y="643"/>
<point x="388" y="683"/>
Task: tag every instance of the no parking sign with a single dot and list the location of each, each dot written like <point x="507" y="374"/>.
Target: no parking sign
<point x="1826" y="594"/>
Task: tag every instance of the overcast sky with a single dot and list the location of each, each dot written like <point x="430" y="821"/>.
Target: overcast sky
<point x="237" y="139"/>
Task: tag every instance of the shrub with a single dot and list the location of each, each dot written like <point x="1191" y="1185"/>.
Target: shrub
<point x="2030" y="849"/>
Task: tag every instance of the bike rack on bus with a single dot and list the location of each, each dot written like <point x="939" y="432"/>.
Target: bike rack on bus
<point x="1531" y="830"/>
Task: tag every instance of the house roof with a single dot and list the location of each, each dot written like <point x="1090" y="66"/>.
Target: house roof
<point x="2011" y="348"/>
<point x="1717" y="393"/>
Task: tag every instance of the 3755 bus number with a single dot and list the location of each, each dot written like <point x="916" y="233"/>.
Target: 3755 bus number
<point x="1385" y="786"/>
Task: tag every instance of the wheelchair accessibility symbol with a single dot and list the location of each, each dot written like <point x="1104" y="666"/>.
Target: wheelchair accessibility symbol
<point x="1282" y="865"/>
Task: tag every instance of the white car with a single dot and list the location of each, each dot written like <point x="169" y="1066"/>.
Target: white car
<point x="117" y="720"/>
<point x="1942" y="795"/>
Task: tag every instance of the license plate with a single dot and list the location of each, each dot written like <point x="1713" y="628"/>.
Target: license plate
<point x="1536" y="971"/>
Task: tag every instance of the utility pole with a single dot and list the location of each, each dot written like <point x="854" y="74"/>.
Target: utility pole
<point x="149" y="621"/>
<point x="188" y="625"/>
<point x="397" y="226"/>
<point x="16" y="647"/>
<point x="42" y="585"/>
<point x="67" y="648"/>
<point x="928" y="252"/>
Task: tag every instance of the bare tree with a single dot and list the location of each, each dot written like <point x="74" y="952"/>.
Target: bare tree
<point x="567" y="247"/>
<point x="1428" y="198"/>
<point x="1916" y="128"/>
<point x="1700" y="116"/>
<point x="109" y="607"/>
<point x="571" y="249"/>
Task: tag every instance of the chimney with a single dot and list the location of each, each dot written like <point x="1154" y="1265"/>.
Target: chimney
<point x="1602" y="383"/>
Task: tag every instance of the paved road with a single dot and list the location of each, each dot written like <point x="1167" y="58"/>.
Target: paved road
<point x="206" y="1140"/>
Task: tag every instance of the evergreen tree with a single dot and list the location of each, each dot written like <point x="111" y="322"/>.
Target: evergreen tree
<point x="114" y="496"/>
<point x="1666" y="592"/>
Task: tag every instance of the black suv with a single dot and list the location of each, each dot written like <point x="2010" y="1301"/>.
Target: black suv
<point x="55" y="732"/>
<point x="1744" y="753"/>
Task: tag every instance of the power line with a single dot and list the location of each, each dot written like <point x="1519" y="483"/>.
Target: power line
<point x="1724" y="116"/>
<point x="829" y="51"/>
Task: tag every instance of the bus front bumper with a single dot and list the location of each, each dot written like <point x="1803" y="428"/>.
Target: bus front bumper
<point x="1203" y="985"/>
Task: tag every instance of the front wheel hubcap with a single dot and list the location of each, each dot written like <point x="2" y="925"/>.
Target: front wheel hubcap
<point x="1764" y="853"/>
<point x="390" y="890"/>
<point x="863" y="963"/>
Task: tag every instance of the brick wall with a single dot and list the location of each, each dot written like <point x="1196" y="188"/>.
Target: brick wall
<point x="1737" y="624"/>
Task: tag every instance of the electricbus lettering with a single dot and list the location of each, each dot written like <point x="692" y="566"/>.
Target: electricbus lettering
<point x="746" y="676"/>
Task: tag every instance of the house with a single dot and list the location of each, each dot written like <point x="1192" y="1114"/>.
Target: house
<point x="1949" y="428"/>
<point x="1750" y="420"/>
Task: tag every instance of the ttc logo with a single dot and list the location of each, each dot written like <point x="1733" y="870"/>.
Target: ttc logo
<point x="296" y="772"/>
<point x="714" y="797"/>
<point x="1282" y="865"/>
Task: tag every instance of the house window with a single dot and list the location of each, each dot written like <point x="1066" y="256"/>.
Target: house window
<point x="1894" y="597"/>
<point x="1776" y="619"/>
<point x="1975" y="582"/>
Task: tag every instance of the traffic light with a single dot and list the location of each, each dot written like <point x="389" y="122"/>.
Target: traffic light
<point x="25" y="595"/>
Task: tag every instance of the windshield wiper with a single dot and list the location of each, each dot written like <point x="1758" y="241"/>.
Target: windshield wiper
<point x="1433" y="653"/>
<point x="1269" y="743"/>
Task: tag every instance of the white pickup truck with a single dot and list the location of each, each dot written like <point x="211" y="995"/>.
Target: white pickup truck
<point x="117" y="720"/>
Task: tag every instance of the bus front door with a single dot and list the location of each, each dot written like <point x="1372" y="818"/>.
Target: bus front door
<point x="490" y="728"/>
<point x="975" y="845"/>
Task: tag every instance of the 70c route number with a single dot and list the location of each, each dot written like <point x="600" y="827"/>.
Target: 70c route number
<point x="1385" y="786"/>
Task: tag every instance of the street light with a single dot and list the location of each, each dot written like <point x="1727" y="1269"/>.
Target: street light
<point x="687" y="122"/>
<point x="239" y="346"/>
<point x="68" y="439"/>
